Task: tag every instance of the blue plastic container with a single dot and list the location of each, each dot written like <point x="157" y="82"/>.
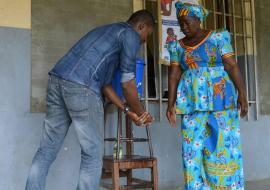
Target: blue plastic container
<point x="139" y="79"/>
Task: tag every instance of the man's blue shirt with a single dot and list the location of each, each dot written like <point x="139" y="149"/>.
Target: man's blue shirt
<point x="93" y="60"/>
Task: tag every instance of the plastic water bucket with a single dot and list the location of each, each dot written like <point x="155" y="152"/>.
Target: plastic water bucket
<point x="138" y="78"/>
<point x="139" y="75"/>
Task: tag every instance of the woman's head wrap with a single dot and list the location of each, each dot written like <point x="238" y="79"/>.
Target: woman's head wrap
<point x="187" y="9"/>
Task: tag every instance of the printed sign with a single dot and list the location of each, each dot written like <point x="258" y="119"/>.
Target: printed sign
<point x="170" y="30"/>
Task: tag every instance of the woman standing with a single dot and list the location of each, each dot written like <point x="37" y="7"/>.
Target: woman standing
<point x="202" y="80"/>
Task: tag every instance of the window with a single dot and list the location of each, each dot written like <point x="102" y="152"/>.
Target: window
<point x="237" y="16"/>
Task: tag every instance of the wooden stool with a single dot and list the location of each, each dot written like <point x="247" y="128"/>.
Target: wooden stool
<point x="116" y="166"/>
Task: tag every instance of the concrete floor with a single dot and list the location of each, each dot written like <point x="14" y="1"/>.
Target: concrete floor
<point x="258" y="185"/>
<point x="250" y="185"/>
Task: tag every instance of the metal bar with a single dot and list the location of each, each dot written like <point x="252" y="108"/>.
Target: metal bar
<point x="255" y="57"/>
<point x="104" y="128"/>
<point x="157" y="99"/>
<point x="159" y="65"/>
<point x="165" y="100"/>
<point x="155" y="43"/>
<point x="160" y="91"/>
<point x="119" y="129"/>
<point x="224" y="15"/>
<point x="215" y="16"/>
<point x="129" y="144"/>
<point x="156" y="37"/>
<point x="245" y="56"/>
<point x="129" y="139"/>
<point x="149" y="141"/>
<point x="146" y="70"/>
<point x="234" y="30"/>
<point x="227" y="14"/>
<point x="146" y="78"/>
<point x="244" y="35"/>
<point x="204" y="22"/>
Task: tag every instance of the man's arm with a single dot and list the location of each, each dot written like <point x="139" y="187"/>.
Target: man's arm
<point x="109" y="93"/>
<point x="130" y="45"/>
<point x="131" y="95"/>
<point x="233" y="70"/>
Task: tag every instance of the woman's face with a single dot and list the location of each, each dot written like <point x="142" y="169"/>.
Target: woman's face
<point x="189" y="25"/>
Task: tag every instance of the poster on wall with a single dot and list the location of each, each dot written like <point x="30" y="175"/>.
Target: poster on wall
<point x="169" y="28"/>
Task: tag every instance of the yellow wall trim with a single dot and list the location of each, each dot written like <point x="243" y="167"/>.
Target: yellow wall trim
<point x="15" y="13"/>
<point x="137" y="5"/>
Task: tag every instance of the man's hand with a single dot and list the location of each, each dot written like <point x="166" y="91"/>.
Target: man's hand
<point x="242" y="104"/>
<point x="171" y="116"/>
<point x="143" y="120"/>
<point x="146" y="119"/>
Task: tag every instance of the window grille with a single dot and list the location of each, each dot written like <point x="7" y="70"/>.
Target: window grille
<point x="238" y="17"/>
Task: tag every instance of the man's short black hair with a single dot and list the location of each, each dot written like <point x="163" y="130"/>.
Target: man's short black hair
<point x="142" y="16"/>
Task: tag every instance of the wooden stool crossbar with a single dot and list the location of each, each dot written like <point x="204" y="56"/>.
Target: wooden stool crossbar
<point x="117" y="166"/>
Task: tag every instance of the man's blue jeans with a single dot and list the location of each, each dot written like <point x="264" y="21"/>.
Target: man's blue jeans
<point x="68" y="103"/>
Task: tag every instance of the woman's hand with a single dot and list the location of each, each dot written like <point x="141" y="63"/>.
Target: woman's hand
<point x="175" y="73"/>
<point x="171" y="116"/>
<point x="242" y="104"/>
<point x="234" y="72"/>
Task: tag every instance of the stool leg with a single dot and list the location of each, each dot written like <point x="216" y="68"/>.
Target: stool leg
<point x="154" y="175"/>
<point x="119" y="133"/>
<point x="129" y="147"/>
<point x="149" y="141"/>
<point x="129" y="177"/>
<point x="129" y="134"/>
<point x="115" y="177"/>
